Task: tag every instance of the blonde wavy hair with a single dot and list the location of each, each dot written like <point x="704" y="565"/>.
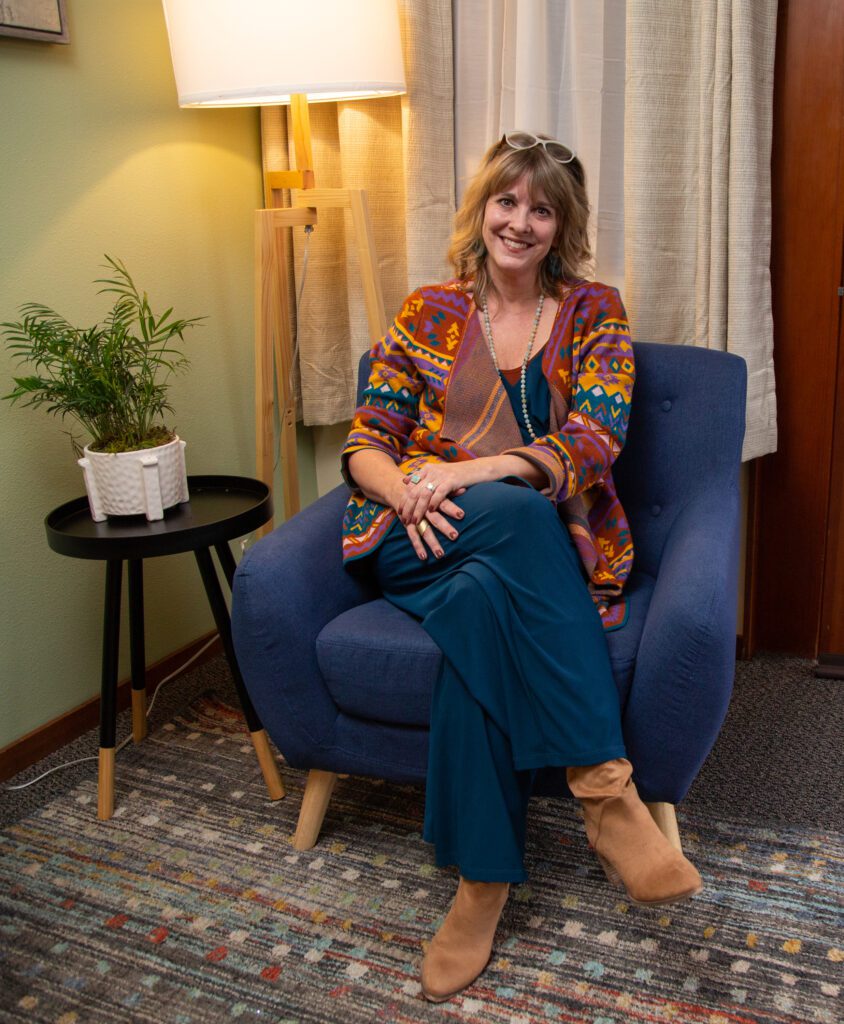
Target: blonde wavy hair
<point x="564" y="186"/>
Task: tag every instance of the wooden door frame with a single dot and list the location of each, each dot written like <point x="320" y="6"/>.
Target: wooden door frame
<point x="831" y="634"/>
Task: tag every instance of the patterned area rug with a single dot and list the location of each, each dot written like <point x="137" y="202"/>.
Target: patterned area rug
<point x="190" y="906"/>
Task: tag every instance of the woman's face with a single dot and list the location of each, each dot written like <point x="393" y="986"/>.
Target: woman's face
<point x="518" y="231"/>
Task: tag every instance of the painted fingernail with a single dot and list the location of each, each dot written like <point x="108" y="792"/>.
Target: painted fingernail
<point x="453" y="535"/>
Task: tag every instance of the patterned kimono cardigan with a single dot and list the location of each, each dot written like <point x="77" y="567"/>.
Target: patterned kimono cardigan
<point x="434" y="394"/>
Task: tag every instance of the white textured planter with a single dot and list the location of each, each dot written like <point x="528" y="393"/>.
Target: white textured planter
<point x="134" y="483"/>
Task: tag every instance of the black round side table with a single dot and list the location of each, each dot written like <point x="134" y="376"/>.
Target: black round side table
<point x="220" y="509"/>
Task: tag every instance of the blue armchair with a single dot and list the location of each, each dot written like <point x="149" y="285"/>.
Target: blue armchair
<point x="342" y="680"/>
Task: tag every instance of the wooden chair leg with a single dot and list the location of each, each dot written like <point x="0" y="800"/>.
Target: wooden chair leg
<point x="315" y="799"/>
<point x="666" y="818"/>
<point x="269" y="768"/>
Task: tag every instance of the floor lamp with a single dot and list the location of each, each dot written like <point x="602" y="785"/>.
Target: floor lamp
<point x="270" y="54"/>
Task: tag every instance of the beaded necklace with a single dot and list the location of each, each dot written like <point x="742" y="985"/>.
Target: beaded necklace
<point x="525" y="361"/>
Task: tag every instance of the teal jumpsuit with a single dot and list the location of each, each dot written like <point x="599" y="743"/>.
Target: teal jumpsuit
<point x="526" y="680"/>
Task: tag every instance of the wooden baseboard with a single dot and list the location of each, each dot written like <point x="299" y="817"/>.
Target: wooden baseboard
<point x="830" y="666"/>
<point x="56" y="733"/>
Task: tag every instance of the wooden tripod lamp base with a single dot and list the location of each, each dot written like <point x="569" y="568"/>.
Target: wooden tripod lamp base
<point x="273" y="338"/>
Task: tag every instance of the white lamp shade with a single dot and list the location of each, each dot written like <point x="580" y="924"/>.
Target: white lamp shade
<point x="236" y="53"/>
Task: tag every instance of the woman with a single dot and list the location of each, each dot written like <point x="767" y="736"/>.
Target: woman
<point x="484" y="504"/>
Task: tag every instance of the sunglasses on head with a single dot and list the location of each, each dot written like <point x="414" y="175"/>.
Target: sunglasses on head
<point x="525" y="140"/>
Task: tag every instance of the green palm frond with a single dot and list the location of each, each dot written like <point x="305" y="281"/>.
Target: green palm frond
<point x="112" y="378"/>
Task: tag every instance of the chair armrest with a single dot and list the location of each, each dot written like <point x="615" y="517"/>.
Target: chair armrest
<point x="286" y="589"/>
<point x="686" y="661"/>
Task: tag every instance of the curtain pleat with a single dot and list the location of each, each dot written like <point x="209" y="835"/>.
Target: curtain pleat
<point x="428" y="138"/>
<point x="698" y="123"/>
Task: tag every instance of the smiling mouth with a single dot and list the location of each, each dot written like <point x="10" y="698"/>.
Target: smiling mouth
<point x="513" y="245"/>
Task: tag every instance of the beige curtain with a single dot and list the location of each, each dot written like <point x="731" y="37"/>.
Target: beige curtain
<point x="400" y="150"/>
<point x="697" y="194"/>
<point x="552" y="66"/>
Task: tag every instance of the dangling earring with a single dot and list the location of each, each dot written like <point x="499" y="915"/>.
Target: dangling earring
<point x="478" y="248"/>
<point x="555" y="266"/>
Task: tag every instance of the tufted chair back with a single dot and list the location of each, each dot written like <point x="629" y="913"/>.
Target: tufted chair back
<point x="686" y="417"/>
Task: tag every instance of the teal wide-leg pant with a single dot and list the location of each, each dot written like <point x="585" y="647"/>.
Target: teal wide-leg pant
<point x="526" y="679"/>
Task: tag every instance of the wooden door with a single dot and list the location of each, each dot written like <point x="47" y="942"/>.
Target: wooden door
<point x="794" y="600"/>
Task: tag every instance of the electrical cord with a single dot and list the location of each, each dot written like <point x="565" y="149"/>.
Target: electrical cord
<point x="122" y="744"/>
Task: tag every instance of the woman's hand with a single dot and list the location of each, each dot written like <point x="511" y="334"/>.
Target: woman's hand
<point x="380" y="479"/>
<point x="427" y="533"/>
<point x="431" y="487"/>
<point x="423" y="500"/>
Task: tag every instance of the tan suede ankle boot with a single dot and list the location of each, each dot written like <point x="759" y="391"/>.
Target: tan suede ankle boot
<point x="461" y="948"/>
<point x="628" y="842"/>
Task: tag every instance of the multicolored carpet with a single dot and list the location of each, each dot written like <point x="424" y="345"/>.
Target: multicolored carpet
<point x="191" y="907"/>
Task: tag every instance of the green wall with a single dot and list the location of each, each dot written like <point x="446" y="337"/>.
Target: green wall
<point x="97" y="157"/>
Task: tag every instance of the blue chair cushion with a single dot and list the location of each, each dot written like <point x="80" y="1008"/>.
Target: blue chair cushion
<point x="379" y="664"/>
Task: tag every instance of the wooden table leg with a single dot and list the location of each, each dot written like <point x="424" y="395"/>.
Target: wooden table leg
<point x="105" y="784"/>
<point x="257" y="733"/>
<point x="136" y="649"/>
<point x="108" y="689"/>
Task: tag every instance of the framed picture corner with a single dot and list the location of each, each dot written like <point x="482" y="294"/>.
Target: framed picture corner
<point x="42" y="21"/>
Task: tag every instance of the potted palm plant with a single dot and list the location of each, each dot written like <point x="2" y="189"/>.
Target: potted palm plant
<point x="113" y="380"/>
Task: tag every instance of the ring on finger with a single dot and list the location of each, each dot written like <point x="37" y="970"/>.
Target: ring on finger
<point x="415" y="478"/>
<point x="422" y="527"/>
<point x="430" y="486"/>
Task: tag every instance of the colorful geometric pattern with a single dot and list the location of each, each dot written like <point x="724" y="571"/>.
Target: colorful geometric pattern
<point x="434" y="395"/>
<point x="190" y="907"/>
